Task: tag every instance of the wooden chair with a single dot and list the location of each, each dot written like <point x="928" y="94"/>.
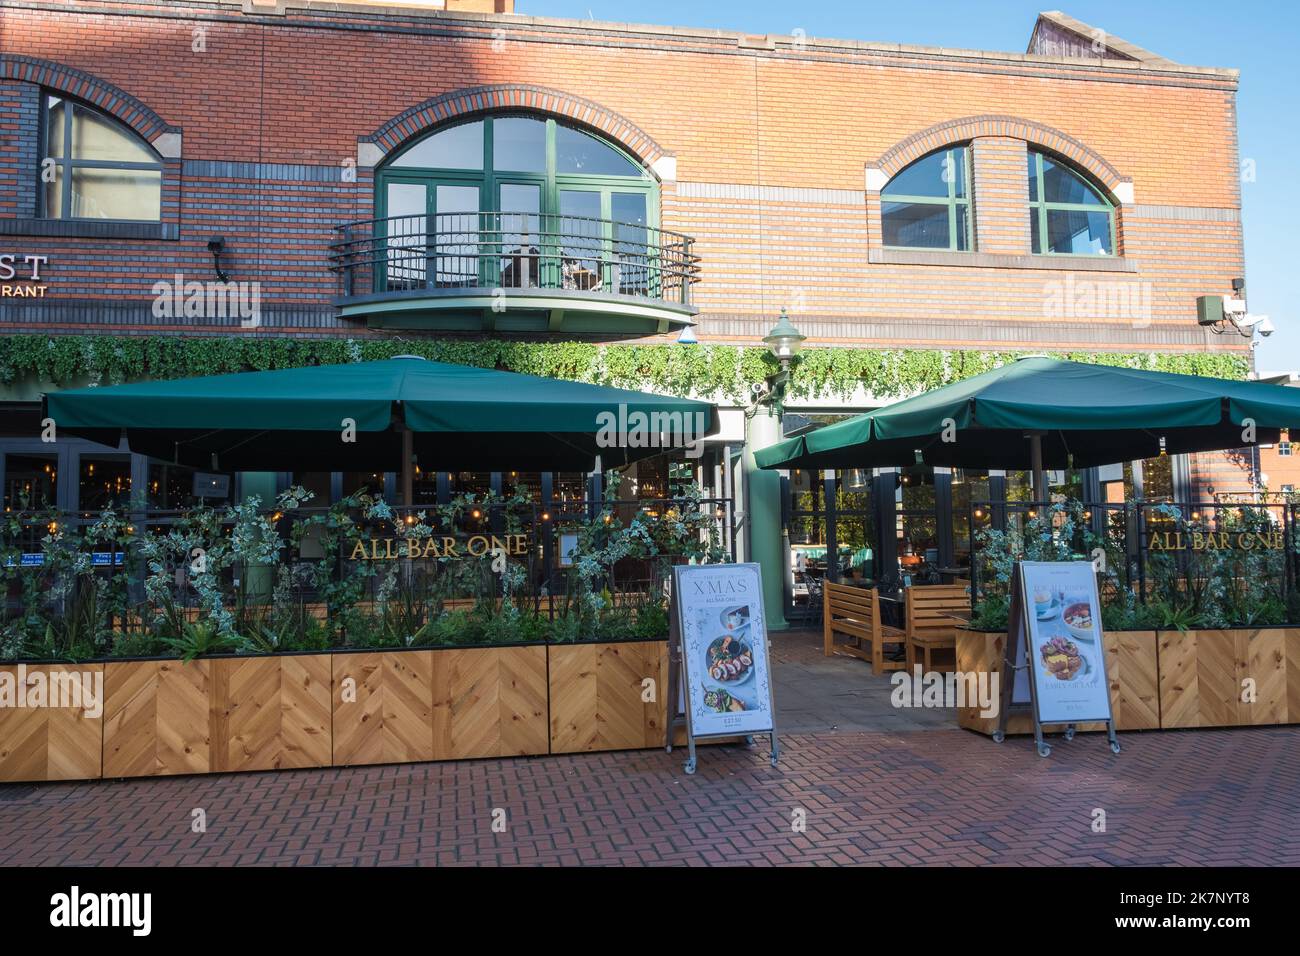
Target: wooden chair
<point x="855" y="613"/>
<point x="929" y="627"/>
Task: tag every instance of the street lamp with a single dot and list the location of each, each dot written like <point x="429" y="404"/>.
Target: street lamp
<point x="785" y="342"/>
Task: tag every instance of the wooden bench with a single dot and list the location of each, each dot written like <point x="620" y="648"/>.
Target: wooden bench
<point x="855" y="613"/>
<point x="929" y="625"/>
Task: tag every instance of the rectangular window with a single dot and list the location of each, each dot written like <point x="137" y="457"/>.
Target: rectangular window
<point x="1284" y="449"/>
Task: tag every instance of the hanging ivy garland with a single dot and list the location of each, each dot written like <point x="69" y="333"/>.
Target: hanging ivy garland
<point x="721" y="372"/>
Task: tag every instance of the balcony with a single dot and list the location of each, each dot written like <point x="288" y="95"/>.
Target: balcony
<point x="514" y="273"/>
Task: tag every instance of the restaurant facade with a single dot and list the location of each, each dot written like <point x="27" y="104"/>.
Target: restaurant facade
<point x="192" y="187"/>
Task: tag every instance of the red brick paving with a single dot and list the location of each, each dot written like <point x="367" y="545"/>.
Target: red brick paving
<point x="940" y="797"/>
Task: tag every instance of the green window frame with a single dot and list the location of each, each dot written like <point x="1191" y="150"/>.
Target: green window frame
<point x="957" y="201"/>
<point x="61" y="202"/>
<point x="604" y="242"/>
<point x="1040" y="207"/>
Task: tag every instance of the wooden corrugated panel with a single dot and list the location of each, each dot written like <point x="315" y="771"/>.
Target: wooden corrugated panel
<point x="53" y="743"/>
<point x="271" y="713"/>
<point x="596" y="696"/>
<point x="383" y="705"/>
<point x="156" y="721"/>
<point x="489" y="702"/>
<point x="1134" y="680"/>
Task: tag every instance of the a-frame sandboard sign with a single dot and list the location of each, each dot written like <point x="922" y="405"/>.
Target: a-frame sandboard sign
<point x="1055" y="662"/>
<point x="719" y="681"/>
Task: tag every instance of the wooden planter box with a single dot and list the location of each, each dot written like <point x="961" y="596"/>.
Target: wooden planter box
<point x="216" y="715"/>
<point x="1131" y="667"/>
<point x="1203" y="676"/>
<point x="439" y="704"/>
<point x="51" y="743"/>
<point x="597" y="692"/>
<point x="1171" y="679"/>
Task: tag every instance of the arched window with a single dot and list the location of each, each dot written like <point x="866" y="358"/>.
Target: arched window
<point x="93" y="167"/>
<point x="544" y="195"/>
<point x="1068" y="215"/>
<point x="927" y="204"/>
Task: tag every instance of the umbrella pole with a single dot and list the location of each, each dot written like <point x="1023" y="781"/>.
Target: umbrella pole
<point x="408" y="467"/>
<point x="1036" y="464"/>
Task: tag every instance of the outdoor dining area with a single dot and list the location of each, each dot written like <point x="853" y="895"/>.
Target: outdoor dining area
<point x="1168" y="628"/>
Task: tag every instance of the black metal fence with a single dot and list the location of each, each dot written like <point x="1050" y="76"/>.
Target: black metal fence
<point x="1155" y="551"/>
<point x="507" y="250"/>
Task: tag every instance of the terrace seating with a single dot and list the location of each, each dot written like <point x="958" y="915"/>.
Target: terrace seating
<point x="855" y="613"/>
<point x="929" y="625"/>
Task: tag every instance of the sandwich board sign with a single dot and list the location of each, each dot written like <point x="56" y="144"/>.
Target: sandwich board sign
<point x="1054" y="650"/>
<point x="719" y="679"/>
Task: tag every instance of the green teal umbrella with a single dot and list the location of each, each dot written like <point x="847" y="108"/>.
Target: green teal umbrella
<point x="450" y="417"/>
<point x="1077" y="414"/>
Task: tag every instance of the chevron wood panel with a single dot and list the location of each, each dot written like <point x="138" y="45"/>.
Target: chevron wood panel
<point x="1261" y="657"/>
<point x="1291" y="645"/>
<point x="156" y="720"/>
<point x="596" y="692"/>
<point x="489" y="702"/>
<point x="1132" y="671"/>
<point x="1179" y="681"/>
<point x="271" y="713"/>
<point x="52" y="743"/>
<point x="391" y="718"/>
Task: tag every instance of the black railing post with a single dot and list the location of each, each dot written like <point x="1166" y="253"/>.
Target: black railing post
<point x="686" y="270"/>
<point x="345" y="260"/>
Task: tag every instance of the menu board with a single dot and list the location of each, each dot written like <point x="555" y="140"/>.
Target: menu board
<point x="725" y="669"/>
<point x="1062" y="615"/>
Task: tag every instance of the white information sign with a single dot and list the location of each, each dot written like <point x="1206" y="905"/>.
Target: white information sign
<point x="724" y="649"/>
<point x="1062" y="616"/>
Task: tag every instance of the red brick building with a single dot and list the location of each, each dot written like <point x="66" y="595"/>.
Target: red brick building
<point x="598" y="182"/>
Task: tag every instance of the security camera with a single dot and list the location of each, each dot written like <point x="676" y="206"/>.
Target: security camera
<point x="1265" y="327"/>
<point x="757" y="389"/>
<point x="216" y="244"/>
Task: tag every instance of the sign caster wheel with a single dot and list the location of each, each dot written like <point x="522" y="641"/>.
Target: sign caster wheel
<point x="689" y="766"/>
<point x="1114" y="748"/>
<point x="1069" y="734"/>
<point x="774" y="760"/>
<point x="1044" y="750"/>
<point x="998" y="736"/>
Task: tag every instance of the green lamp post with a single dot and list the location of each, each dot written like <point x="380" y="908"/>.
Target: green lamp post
<point x="763" y="488"/>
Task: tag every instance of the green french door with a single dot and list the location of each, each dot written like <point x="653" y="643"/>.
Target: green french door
<point x="521" y="253"/>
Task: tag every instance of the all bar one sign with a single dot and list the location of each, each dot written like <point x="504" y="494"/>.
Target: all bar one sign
<point x="1216" y="541"/>
<point x="20" y="276"/>
<point x="476" y="546"/>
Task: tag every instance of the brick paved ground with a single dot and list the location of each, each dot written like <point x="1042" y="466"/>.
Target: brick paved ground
<point x="933" y="797"/>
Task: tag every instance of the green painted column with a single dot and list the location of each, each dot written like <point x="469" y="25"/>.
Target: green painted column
<point x="763" y="511"/>
<point x="261" y="580"/>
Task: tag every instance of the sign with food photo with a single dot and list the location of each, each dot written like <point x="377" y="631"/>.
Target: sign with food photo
<point x="1063" y="618"/>
<point x="724" y="649"/>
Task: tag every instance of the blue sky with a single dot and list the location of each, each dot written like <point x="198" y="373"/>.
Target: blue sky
<point x="1261" y="39"/>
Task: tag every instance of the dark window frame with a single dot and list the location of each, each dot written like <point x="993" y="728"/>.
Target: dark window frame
<point x="68" y="163"/>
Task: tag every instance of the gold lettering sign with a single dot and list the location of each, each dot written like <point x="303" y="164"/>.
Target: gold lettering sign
<point x="478" y="545"/>
<point x="1216" y="541"/>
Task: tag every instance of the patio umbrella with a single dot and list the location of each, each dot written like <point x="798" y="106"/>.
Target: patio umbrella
<point x="1047" y="413"/>
<point x="449" y="417"/>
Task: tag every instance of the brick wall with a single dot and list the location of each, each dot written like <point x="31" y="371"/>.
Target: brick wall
<point x="19" y="150"/>
<point x="771" y="140"/>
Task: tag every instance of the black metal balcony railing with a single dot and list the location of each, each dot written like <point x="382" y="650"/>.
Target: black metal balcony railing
<point x="490" y="250"/>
